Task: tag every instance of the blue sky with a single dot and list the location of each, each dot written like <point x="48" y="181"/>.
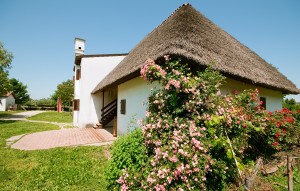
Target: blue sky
<point x="41" y="34"/>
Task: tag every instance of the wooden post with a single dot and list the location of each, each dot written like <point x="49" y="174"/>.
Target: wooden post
<point x="290" y="172"/>
<point x="115" y="128"/>
<point x="102" y="99"/>
<point x="59" y="105"/>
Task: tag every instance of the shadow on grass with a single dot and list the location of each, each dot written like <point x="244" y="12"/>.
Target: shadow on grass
<point x="6" y="121"/>
<point x="2" y="115"/>
<point x="5" y="114"/>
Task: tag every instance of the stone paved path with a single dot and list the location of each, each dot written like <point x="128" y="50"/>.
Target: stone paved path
<point x="57" y="138"/>
<point x="63" y="137"/>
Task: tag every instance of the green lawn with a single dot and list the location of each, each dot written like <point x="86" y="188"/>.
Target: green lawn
<point x="52" y="116"/>
<point x="69" y="168"/>
<point x="7" y="113"/>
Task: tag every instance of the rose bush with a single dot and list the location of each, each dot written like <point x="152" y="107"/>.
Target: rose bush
<point x="197" y="139"/>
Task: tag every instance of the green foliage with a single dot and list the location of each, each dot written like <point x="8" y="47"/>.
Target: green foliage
<point x="5" y="64"/>
<point x="20" y="91"/>
<point x="65" y="91"/>
<point x="39" y="102"/>
<point x="291" y="104"/>
<point x="128" y="152"/>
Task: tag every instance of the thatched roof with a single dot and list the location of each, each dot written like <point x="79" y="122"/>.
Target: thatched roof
<point x="189" y="34"/>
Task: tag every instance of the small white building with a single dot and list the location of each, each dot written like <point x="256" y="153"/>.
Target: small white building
<point x="114" y="87"/>
<point x="7" y="101"/>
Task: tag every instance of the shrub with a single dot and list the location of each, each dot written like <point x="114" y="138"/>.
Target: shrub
<point x="128" y="152"/>
<point x="283" y="131"/>
<point x="193" y="137"/>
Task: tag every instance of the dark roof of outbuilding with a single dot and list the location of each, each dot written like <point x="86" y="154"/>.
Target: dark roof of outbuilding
<point x="9" y="94"/>
<point x="189" y="34"/>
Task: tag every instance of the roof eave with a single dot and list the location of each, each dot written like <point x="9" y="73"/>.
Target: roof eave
<point x="79" y="57"/>
<point x="137" y="74"/>
<point x="117" y="82"/>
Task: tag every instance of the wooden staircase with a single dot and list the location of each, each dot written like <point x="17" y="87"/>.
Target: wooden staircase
<point x="108" y="113"/>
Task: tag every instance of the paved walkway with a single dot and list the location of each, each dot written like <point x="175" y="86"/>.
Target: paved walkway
<point x="57" y="138"/>
<point x="63" y="138"/>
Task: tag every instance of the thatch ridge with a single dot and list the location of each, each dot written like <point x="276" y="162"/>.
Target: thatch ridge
<point x="189" y="34"/>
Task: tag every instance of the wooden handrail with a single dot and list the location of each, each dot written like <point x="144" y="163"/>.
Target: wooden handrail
<point x="108" y="105"/>
<point x="108" y="112"/>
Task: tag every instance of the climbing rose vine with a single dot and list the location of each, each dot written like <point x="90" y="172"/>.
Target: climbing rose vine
<point x="196" y="138"/>
<point x="174" y="129"/>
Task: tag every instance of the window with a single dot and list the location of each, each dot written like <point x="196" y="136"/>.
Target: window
<point x="76" y="104"/>
<point x="123" y="106"/>
<point x="78" y="74"/>
<point x="264" y="102"/>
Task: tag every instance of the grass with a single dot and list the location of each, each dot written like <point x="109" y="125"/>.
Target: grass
<point x="279" y="179"/>
<point x="67" y="168"/>
<point x="52" y="116"/>
<point x="7" y="113"/>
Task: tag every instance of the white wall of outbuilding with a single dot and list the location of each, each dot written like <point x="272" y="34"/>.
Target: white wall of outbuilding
<point x="93" y="70"/>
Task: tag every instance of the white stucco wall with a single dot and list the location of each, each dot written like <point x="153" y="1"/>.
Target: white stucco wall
<point x="2" y="103"/>
<point x="273" y="98"/>
<point x="76" y="95"/>
<point x="135" y="92"/>
<point x="6" y="102"/>
<point x="76" y="83"/>
<point x="93" y="70"/>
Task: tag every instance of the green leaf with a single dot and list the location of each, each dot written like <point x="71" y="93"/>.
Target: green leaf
<point x="241" y="166"/>
<point x="249" y="124"/>
<point x="216" y="120"/>
<point x="228" y="141"/>
<point x="257" y="128"/>
<point x="229" y="154"/>
<point x="211" y="131"/>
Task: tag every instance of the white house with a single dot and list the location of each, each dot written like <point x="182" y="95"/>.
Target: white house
<point x="89" y="70"/>
<point x="114" y="87"/>
<point x="7" y="101"/>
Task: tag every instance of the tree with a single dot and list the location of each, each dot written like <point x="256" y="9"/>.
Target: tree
<point x="43" y="101"/>
<point x="20" y="91"/>
<point x="65" y="91"/>
<point x="5" y="64"/>
<point x="291" y="104"/>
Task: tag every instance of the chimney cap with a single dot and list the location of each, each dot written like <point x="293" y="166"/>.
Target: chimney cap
<point x="79" y="39"/>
